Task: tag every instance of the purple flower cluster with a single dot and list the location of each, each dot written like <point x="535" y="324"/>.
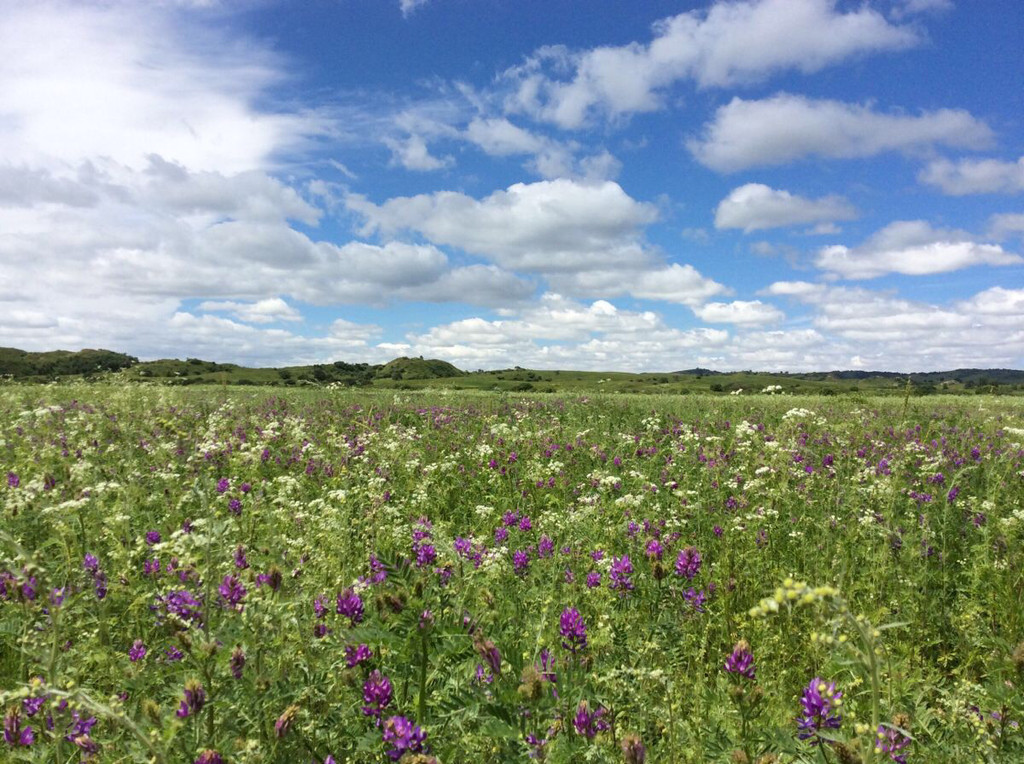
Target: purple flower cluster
<point x="377" y="694"/>
<point x="350" y="605"/>
<point x="356" y="654"/>
<point x="620" y="574"/>
<point x="192" y="703"/>
<point x="137" y="651"/>
<point x="99" y="578"/>
<point x="232" y="592"/>
<point x="741" y="660"/>
<point x="820" y="702"/>
<point x="573" y="630"/>
<point x="588" y="723"/>
<point x="403" y="736"/>
<point x="891" y="741"/>
<point x="688" y="563"/>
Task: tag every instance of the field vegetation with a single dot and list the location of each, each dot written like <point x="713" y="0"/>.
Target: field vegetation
<point x="230" y="574"/>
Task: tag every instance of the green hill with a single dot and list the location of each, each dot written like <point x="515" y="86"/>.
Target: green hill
<point x="418" y="368"/>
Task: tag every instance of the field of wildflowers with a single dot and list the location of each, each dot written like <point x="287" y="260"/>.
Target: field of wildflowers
<point x="212" y="575"/>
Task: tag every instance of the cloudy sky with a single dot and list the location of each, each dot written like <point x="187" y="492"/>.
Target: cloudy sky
<point x="644" y="186"/>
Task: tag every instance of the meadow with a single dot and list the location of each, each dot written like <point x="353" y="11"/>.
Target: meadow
<point x="204" y="574"/>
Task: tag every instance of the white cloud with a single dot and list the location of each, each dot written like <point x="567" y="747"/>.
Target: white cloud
<point x="268" y="311"/>
<point x="1003" y="225"/>
<point x="730" y="44"/>
<point x="412" y="154"/>
<point x="912" y="248"/>
<point x="408" y="7"/>
<point x="669" y="283"/>
<point x="76" y="87"/>
<point x="548" y="226"/>
<point x="802" y="290"/>
<point x="756" y="206"/>
<point x="997" y="302"/>
<point x="975" y="176"/>
<point x="740" y="312"/>
<point x="785" y="128"/>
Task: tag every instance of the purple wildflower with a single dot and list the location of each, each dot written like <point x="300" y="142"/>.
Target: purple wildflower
<point x="500" y="534"/>
<point x="185" y="606"/>
<point x="209" y="756"/>
<point x="378" y="574"/>
<point x="232" y="592"/>
<point x="520" y="562"/>
<point x="192" y="703"/>
<point x="137" y="651"/>
<point x="14" y="734"/>
<point x="545" y="547"/>
<point x="633" y="751"/>
<point x="741" y="661"/>
<point x="620" y="572"/>
<point x="426" y="554"/>
<point x="573" y="630"/>
<point x="13" y="481"/>
<point x="525" y="523"/>
<point x="235" y="506"/>
<point x="223" y="485"/>
<point x="91" y="564"/>
<point x="240" y="561"/>
<point x="172" y="654"/>
<point x="350" y="605"/>
<point x="404" y="736"/>
<point x="284" y="721"/>
<point x="593" y="579"/>
<point x="377" y="694"/>
<point x="891" y="741"/>
<point x="152" y="537"/>
<point x="237" y="662"/>
<point x="688" y="563"/>
<point x="588" y="723"/>
<point x="655" y="549"/>
<point x="356" y="654"/>
<point x="820" y="703"/>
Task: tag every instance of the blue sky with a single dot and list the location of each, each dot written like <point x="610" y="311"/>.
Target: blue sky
<point x="752" y="184"/>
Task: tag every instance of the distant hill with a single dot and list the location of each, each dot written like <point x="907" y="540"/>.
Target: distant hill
<point x="418" y="368"/>
<point x="419" y="373"/>
<point x="22" y="364"/>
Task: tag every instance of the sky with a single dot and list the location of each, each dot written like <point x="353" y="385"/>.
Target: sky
<point x="778" y="185"/>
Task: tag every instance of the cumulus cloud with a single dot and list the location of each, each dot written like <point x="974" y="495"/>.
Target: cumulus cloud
<point x="76" y="86"/>
<point x="740" y="312"/>
<point x="731" y="43"/>
<point x="913" y="248"/>
<point x="975" y="176"/>
<point x="669" y="283"/>
<point x="548" y="226"/>
<point x="755" y="206"/>
<point x="408" y="7"/>
<point x="268" y="311"/>
<point x="1003" y="225"/>
<point x="786" y="128"/>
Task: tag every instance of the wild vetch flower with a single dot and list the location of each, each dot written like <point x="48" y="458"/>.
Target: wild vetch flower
<point x="209" y="756"/>
<point x="235" y="506"/>
<point x="378" y="574"/>
<point x="356" y="654"/>
<point x="223" y="485"/>
<point x="192" y="703"/>
<point x="240" y="561"/>
<point x="91" y="564"/>
<point x="172" y="654"/>
<point x="14" y="734"/>
<point x="545" y="547"/>
<point x="284" y="721"/>
<point x="237" y="662"/>
<point x="525" y="524"/>
<point x="741" y="661"/>
<point x="486" y="649"/>
<point x="696" y="598"/>
<point x="520" y="562"/>
<point x="426" y="554"/>
<point x="593" y="579"/>
<point x="13" y="481"/>
<point x="573" y="630"/>
<point x="500" y="534"/>
<point x="137" y="651"/>
<point x="688" y="563"/>
<point x="184" y="606"/>
<point x="151" y="567"/>
<point x="588" y="723"/>
<point x="426" y="621"/>
<point x="463" y="547"/>
<point x="403" y="736"/>
<point x="152" y="537"/>
<point x="232" y="592"/>
<point x="620" y="572"/>
<point x="655" y="549"/>
<point x="820" y="703"/>
<point x="891" y="741"/>
<point x="376" y="694"/>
